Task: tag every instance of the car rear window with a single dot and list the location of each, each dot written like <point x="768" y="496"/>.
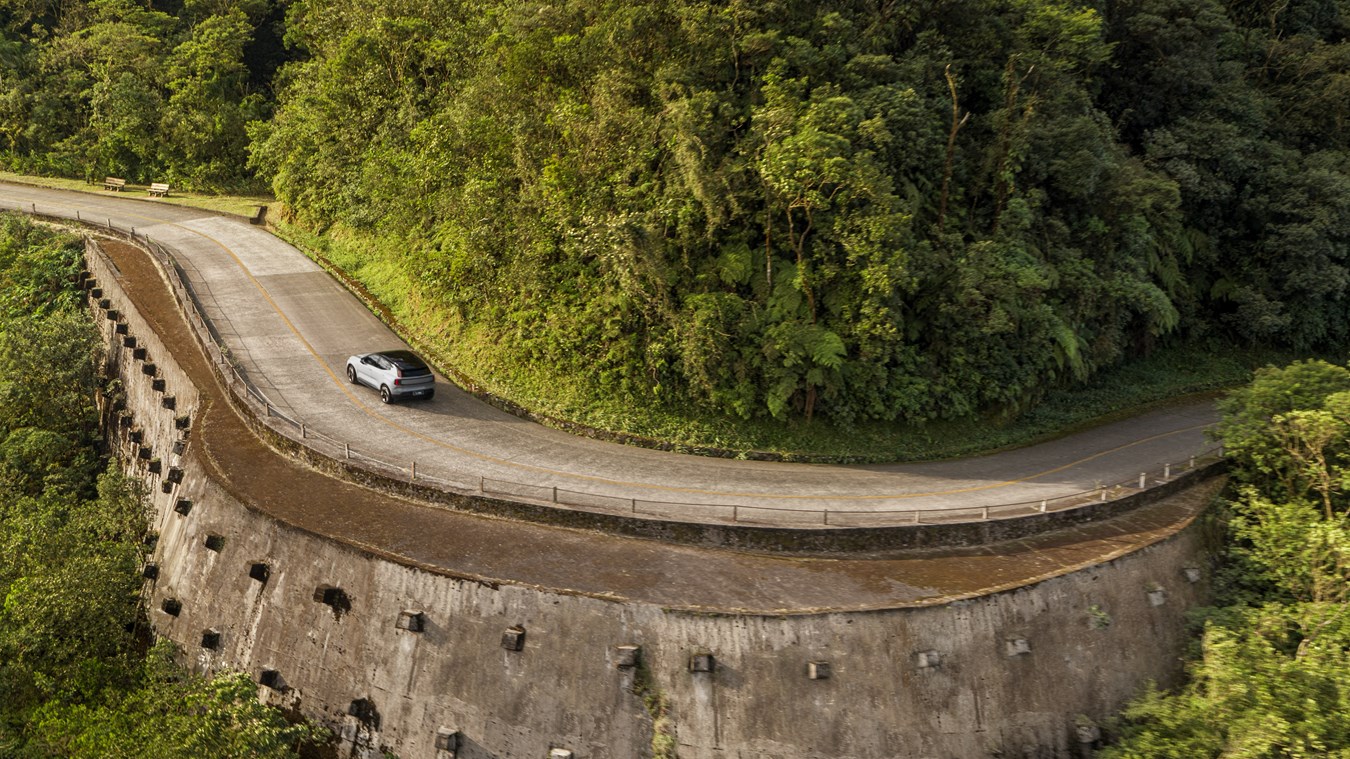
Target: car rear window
<point x="409" y="364"/>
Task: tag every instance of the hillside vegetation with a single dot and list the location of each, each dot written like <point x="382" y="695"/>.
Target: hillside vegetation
<point x="773" y="211"/>
<point x="1271" y="679"/>
<point x="78" y="677"/>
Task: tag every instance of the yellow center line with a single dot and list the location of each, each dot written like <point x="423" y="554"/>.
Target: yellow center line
<point x="342" y="386"/>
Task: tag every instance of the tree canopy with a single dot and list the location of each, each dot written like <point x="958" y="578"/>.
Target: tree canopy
<point x="779" y="210"/>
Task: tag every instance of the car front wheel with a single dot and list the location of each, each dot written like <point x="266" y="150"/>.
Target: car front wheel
<point x="351" y="374"/>
<point x="385" y="395"/>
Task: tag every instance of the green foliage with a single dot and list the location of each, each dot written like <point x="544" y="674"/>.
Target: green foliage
<point x="1271" y="680"/>
<point x="1169" y="373"/>
<point x="70" y="590"/>
<point x="209" y="104"/>
<point x="169" y="716"/>
<point x="113" y="87"/>
<point x="38" y="266"/>
<point x="760" y="212"/>
<point x="742" y="217"/>
<point x="1271" y="685"/>
<point x="1248" y="428"/>
<point x="48" y="371"/>
<point x="73" y="681"/>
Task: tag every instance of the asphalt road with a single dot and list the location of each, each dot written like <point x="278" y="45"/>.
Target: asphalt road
<point x="604" y="565"/>
<point x="291" y="327"/>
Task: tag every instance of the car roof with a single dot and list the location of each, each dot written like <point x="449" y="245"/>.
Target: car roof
<point x="405" y="359"/>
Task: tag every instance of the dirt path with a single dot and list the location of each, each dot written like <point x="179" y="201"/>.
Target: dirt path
<point x="606" y="566"/>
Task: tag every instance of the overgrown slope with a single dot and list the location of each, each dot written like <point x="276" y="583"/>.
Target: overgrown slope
<point x="756" y="210"/>
<point x="847" y="209"/>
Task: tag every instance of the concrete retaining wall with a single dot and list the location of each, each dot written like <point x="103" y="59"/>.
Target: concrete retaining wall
<point x="324" y="626"/>
<point x="148" y="411"/>
<point x="1090" y="639"/>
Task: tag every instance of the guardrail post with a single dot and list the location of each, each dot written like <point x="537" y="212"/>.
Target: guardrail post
<point x="555" y="493"/>
<point x="1103" y="489"/>
<point x="302" y="430"/>
<point x="824" y="516"/>
<point x="413" y="476"/>
<point x="632" y="504"/>
<point x="984" y="514"/>
<point x="916" y="516"/>
<point x="1042" y="505"/>
<point x="1143" y="479"/>
<point x="480" y="485"/>
<point x="1167" y="471"/>
<point x="346" y="450"/>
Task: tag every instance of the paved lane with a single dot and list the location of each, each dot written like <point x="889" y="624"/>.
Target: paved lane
<point x="290" y="327"/>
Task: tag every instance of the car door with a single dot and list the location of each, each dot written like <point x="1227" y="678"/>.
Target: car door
<point x="367" y="370"/>
<point x="381" y="373"/>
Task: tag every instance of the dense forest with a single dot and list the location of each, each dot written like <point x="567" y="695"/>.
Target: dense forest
<point x="850" y="209"/>
<point x="78" y="675"/>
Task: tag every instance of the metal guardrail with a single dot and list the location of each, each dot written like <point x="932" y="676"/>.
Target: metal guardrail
<point x="237" y="381"/>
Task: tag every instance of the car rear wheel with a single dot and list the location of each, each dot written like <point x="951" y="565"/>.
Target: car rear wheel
<point x="385" y="395"/>
<point x="351" y="374"/>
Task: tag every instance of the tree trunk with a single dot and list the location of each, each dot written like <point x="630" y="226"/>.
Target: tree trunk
<point x="957" y="122"/>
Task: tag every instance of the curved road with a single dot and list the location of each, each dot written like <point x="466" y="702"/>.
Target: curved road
<point x="290" y="327"/>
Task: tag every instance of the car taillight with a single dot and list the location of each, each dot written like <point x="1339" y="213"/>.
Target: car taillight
<point x="398" y="376"/>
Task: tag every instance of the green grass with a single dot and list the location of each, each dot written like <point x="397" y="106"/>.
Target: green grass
<point x="240" y="205"/>
<point x="1167" y="377"/>
<point x="475" y="360"/>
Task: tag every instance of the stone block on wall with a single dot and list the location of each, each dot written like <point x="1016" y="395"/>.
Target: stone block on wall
<point x="626" y="656"/>
<point x="411" y="620"/>
<point x="513" y="638"/>
<point x="703" y="662"/>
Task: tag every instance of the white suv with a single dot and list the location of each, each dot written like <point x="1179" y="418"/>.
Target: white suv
<point x="394" y="373"/>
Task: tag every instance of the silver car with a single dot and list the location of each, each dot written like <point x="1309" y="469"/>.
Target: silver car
<point x="395" y="374"/>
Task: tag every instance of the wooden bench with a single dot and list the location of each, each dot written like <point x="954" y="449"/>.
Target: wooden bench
<point x="159" y="190"/>
<point x="114" y="184"/>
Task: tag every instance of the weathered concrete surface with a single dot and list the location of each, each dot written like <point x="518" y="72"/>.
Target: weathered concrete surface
<point x="1082" y="600"/>
<point x="564" y="690"/>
